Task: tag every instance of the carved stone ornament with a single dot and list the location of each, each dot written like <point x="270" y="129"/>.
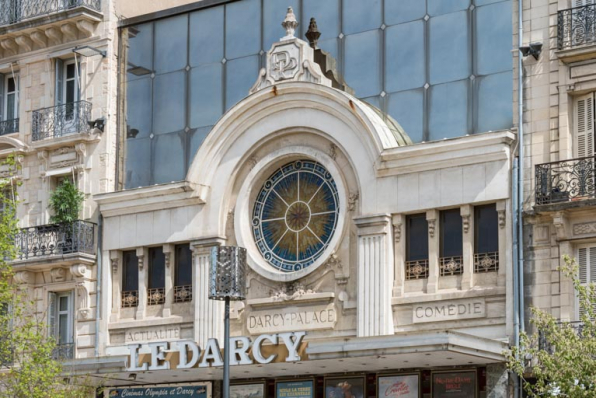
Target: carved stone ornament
<point x="333" y="262"/>
<point x="586" y="228"/>
<point x="501" y="214"/>
<point x="287" y="292"/>
<point x="167" y="257"/>
<point x="58" y="274"/>
<point x="290" y="60"/>
<point x="333" y="151"/>
<point x="466" y="223"/>
<point x="397" y="232"/>
<point x="141" y="260"/>
<point x="114" y="262"/>
<point x="431" y="228"/>
<point x="23" y="277"/>
<point x="352" y="199"/>
<point x="79" y="270"/>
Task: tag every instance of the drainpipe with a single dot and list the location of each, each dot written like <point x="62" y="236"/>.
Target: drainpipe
<point x="98" y="287"/>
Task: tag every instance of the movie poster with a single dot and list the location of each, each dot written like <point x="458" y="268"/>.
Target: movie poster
<point x="401" y="386"/>
<point x="253" y="390"/>
<point x="294" y="389"/>
<point x="345" y="387"/>
<point x="454" y="384"/>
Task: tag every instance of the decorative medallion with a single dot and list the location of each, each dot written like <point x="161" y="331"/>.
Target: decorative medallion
<point x="295" y="215"/>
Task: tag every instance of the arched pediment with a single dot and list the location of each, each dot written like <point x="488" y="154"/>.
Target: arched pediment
<point x="10" y="145"/>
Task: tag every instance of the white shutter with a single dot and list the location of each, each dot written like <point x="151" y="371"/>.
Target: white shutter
<point x="579" y="3"/>
<point x="586" y="260"/>
<point x="59" y="80"/>
<point x="583" y="142"/>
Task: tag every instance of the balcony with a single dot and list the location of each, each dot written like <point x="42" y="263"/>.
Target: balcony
<point x="56" y="240"/>
<point x="61" y="120"/>
<point x="576" y="328"/>
<point x="14" y="11"/>
<point x="9" y="126"/>
<point x="565" y="181"/>
<point x="63" y="351"/>
<point x="576" y="33"/>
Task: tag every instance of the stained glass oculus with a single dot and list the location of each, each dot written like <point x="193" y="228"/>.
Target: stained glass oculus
<point x="295" y="215"/>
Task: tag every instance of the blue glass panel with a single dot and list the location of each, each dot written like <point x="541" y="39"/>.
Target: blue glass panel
<point x="140" y="51"/>
<point x="363" y="63"/>
<point x="495" y="102"/>
<point x="171" y="38"/>
<point x="360" y="16"/>
<point x="374" y="101"/>
<point x="330" y="46"/>
<point x="449" y="48"/>
<point x="327" y="15"/>
<point x="404" y="56"/>
<point x="168" y="160"/>
<point x="448" y="110"/>
<point x="438" y="7"/>
<point x="493" y="38"/>
<point x="484" y="2"/>
<point x="243" y="28"/>
<point x="206" y="91"/>
<point x="197" y="137"/>
<point x="398" y="11"/>
<point x="138" y="162"/>
<point x="138" y="104"/>
<point x="241" y="75"/>
<point x="274" y="12"/>
<point x="206" y="36"/>
<point x="169" y="102"/>
<point x="407" y="108"/>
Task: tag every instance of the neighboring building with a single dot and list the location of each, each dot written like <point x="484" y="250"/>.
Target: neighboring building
<point x="560" y="212"/>
<point x="397" y="262"/>
<point x="57" y="115"/>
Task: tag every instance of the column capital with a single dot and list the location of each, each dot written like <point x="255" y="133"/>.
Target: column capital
<point x="204" y="245"/>
<point x="373" y="224"/>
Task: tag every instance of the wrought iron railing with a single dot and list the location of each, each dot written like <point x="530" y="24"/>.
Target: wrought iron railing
<point x="546" y="345"/>
<point x="417" y="269"/>
<point x="130" y="298"/>
<point x="451" y="266"/>
<point x="61" y="120"/>
<point x="576" y="26"/>
<point x="156" y="296"/>
<point x="63" y="351"/>
<point x="182" y="294"/>
<point x="9" y="126"/>
<point x="13" y="11"/>
<point x="55" y="239"/>
<point x="565" y="180"/>
<point x="486" y="262"/>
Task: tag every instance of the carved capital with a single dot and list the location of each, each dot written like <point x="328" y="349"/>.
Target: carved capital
<point x="79" y="270"/>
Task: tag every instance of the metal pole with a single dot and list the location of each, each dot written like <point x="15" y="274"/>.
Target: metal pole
<point x="226" y="372"/>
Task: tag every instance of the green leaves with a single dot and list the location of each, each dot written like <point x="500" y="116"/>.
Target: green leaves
<point x="560" y="357"/>
<point x="66" y="202"/>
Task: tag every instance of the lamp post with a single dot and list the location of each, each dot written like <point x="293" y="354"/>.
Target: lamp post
<point x="227" y="281"/>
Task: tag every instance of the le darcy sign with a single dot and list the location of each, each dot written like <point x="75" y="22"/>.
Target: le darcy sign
<point x="243" y="351"/>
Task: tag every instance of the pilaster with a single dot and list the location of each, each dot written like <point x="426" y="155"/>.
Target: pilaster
<point x="432" y="217"/>
<point x="503" y="241"/>
<point x="168" y="251"/>
<point x="399" y="255"/>
<point x="115" y="262"/>
<point x="375" y="275"/>
<point x="467" y="216"/>
<point x="143" y="283"/>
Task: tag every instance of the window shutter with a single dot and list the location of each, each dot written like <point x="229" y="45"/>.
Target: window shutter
<point x="59" y="90"/>
<point x="587" y="267"/>
<point x="579" y="3"/>
<point x="52" y="314"/>
<point x="584" y="126"/>
<point x="2" y="80"/>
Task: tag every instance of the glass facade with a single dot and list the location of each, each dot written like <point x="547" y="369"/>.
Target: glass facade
<point x="441" y="68"/>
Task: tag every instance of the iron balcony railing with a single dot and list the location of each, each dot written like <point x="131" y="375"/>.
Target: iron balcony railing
<point x="565" y="180"/>
<point x="9" y="126"/>
<point x="576" y="26"/>
<point x="61" y="120"/>
<point x="56" y="239"/>
<point x="63" y="351"/>
<point x="13" y="11"/>
<point x="546" y="345"/>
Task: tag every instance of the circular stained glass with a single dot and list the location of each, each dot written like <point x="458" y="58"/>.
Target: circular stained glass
<point x="295" y="215"/>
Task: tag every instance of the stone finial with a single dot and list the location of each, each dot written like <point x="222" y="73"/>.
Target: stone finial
<point x="290" y="24"/>
<point x="313" y="34"/>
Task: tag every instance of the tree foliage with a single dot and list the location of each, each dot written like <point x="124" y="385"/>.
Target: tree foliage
<point x="560" y="357"/>
<point x="28" y="368"/>
<point x="66" y="202"/>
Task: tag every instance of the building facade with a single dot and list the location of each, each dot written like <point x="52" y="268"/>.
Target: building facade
<point x="368" y="174"/>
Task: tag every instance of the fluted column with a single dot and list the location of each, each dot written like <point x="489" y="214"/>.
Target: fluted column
<point x="208" y="314"/>
<point x="375" y="275"/>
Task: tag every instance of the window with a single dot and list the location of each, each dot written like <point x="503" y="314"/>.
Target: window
<point x="450" y="261"/>
<point x="183" y="276"/>
<point x="67" y="111"/>
<point x="486" y="238"/>
<point x="6" y="347"/>
<point x="61" y="323"/>
<point x="6" y="196"/>
<point x="586" y="260"/>
<point x="157" y="276"/>
<point x="416" y="246"/>
<point x="583" y="140"/>
<point x="9" y="104"/>
<point x="130" y="279"/>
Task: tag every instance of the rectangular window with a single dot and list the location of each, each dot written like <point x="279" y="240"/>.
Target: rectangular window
<point x="157" y="276"/>
<point x="586" y="260"/>
<point x="583" y="117"/>
<point x="61" y="323"/>
<point x="183" y="277"/>
<point x="486" y="238"/>
<point x="451" y="261"/>
<point x="416" y="246"/>
<point x="130" y="279"/>
<point x="9" y="103"/>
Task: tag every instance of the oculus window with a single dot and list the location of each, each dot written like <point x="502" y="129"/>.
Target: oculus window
<point x="295" y="215"/>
